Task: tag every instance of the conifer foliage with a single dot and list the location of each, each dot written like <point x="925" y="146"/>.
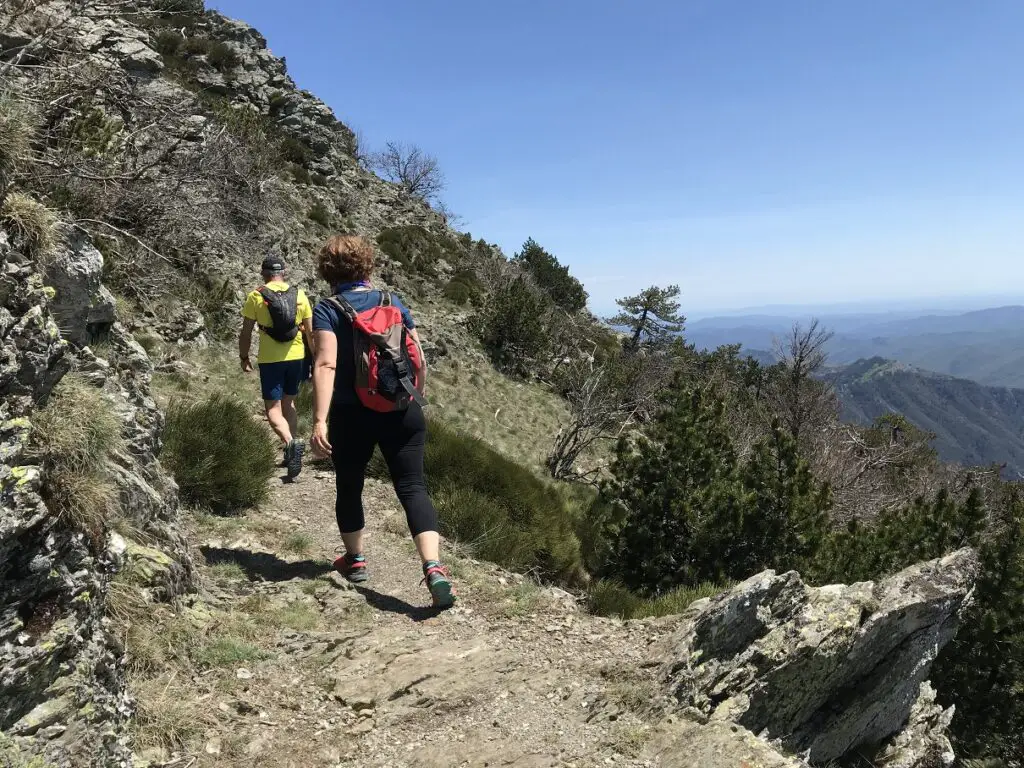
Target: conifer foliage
<point x="552" y="277"/>
<point x="652" y="316"/>
<point x="695" y="514"/>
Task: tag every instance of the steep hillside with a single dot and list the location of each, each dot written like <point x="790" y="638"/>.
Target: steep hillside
<point x="973" y="424"/>
<point x="151" y="153"/>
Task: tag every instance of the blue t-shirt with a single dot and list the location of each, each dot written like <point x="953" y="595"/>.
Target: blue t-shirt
<point x="327" y="317"/>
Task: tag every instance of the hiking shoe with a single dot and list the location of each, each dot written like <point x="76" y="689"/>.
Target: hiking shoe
<point x="293" y="458"/>
<point x="352" y="567"/>
<point x="439" y="583"/>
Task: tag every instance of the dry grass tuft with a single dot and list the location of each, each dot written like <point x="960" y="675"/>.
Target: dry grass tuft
<point x="32" y="224"/>
<point x="17" y="127"/>
<point x="610" y="598"/>
<point x="298" y="543"/>
<point x="75" y="435"/>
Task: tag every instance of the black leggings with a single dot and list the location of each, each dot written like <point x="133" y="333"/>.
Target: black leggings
<point x="353" y="431"/>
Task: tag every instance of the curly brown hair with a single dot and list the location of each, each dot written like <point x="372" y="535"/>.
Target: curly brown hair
<point x="345" y="258"/>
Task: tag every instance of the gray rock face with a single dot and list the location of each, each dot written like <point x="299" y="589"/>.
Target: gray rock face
<point x="82" y="306"/>
<point x="829" y="670"/>
<point x="61" y="680"/>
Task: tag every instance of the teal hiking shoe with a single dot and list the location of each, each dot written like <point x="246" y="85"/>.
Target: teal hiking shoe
<point x="439" y="583"/>
<point x="352" y="567"/>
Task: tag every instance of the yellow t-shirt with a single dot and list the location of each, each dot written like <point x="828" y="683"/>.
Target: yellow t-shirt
<point x="272" y="351"/>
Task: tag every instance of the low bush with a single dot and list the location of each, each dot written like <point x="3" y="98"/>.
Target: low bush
<point x="499" y="509"/>
<point x="278" y="101"/>
<point x="221" y="457"/>
<point x="32" y="225"/>
<point x="295" y="151"/>
<point x="75" y="435"/>
<point x="197" y="46"/>
<point x="319" y="213"/>
<point x="222" y="56"/>
<point x="464" y="287"/>
<point x="418" y="248"/>
<point x="611" y="598"/>
<point x="299" y="174"/>
<point x="168" y="42"/>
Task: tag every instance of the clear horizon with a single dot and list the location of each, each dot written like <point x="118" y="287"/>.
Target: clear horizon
<point x="755" y="154"/>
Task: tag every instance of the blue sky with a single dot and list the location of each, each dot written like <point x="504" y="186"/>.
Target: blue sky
<point x="783" y="152"/>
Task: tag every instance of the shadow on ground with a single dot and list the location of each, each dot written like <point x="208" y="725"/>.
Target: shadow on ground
<point x="265" y="566"/>
<point x="393" y="604"/>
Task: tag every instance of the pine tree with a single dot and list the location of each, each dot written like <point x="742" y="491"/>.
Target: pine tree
<point x="552" y="277"/>
<point x="786" y="521"/>
<point x="987" y="653"/>
<point x="681" y="496"/>
<point x="514" y="328"/>
<point x="652" y="316"/>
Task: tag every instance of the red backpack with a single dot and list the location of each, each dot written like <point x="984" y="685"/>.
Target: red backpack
<point x="390" y="368"/>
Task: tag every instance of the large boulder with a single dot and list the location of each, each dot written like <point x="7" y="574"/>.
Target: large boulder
<point x="826" y="671"/>
<point x="83" y="306"/>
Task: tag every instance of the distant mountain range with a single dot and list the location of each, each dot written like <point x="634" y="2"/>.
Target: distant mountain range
<point x="974" y="424"/>
<point x="986" y="346"/>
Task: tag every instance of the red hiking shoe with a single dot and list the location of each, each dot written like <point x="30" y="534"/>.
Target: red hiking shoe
<point x="352" y="567"/>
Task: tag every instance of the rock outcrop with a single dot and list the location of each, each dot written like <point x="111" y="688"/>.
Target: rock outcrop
<point x="62" y="689"/>
<point x="826" y="671"/>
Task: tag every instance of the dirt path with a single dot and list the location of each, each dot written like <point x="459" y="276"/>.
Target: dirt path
<point x="513" y="675"/>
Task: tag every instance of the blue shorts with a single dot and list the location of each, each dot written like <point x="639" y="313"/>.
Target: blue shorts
<point x="278" y="380"/>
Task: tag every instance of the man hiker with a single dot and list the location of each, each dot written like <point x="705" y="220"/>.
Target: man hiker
<point x="285" y="319"/>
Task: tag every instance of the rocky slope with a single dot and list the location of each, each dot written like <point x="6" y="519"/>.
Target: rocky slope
<point x="175" y="149"/>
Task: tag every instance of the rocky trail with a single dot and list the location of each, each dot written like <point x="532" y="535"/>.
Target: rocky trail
<point x="517" y="674"/>
<point x="513" y="675"/>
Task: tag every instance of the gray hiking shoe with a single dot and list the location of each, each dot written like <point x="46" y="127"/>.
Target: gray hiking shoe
<point x="293" y="458"/>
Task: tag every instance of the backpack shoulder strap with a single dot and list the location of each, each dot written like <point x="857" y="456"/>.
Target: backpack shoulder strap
<point x="343" y="306"/>
<point x="385" y="299"/>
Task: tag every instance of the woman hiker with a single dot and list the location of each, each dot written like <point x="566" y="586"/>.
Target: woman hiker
<point x="353" y="411"/>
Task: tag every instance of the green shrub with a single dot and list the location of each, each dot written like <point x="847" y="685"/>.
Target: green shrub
<point x="32" y="225"/>
<point x="221" y="457"/>
<point x="319" y="213"/>
<point x="75" y="435"/>
<point x="295" y="151"/>
<point x="278" y="101"/>
<point x="499" y="509"/>
<point x="168" y="42"/>
<point x="222" y="56"/>
<point x="694" y="513"/>
<point x="464" y="288"/>
<point x="611" y="598"/>
<point x="299" y="174"/>
<point x="418" y="248"/>
<point x="553" y="278"/>
<point x="514" y="328"/>
<point x="197" y="46"/>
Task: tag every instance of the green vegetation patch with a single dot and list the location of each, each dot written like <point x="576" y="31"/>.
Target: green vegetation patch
<point x="419" y="249"/>
<point x="221" y="457"/>
<point x="499" y="509"/>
